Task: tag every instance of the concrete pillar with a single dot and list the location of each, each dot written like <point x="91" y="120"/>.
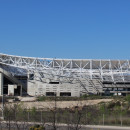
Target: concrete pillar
<point x="11" y="89"/>
<point x="1" y="84"/>
<point x="21" y="90"/>
<point x="58" y="94"/>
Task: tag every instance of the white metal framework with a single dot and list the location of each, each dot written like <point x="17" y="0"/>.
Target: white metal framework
<point x="104" y="70"/>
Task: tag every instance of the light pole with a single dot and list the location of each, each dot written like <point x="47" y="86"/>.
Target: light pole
<point x="2" y="92"/>
<point x="2" y="103"/>
<point x="121" y="113"/>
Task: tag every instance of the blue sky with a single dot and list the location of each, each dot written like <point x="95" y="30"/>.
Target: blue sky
<point x="92" y="29"/>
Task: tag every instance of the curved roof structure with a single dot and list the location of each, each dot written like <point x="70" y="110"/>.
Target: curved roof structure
<point x="111" y="70"/>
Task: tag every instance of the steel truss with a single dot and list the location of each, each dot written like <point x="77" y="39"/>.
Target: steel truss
<point x="104" y="70"/>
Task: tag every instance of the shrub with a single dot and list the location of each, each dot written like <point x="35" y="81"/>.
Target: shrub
<point x="111" y="105"/>
<point x="127" y="98"/>
<point x="41" y="98"/>
<point x="37" y="127"/>
<point x="84" y="96"/>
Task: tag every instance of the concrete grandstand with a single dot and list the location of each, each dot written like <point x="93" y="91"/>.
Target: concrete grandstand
<point x="63" y="77"/>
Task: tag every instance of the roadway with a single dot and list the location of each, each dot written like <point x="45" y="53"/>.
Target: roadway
<point x="26" y="125"/>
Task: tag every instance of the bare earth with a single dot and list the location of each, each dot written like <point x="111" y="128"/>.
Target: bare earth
<point x="62" y="104"/>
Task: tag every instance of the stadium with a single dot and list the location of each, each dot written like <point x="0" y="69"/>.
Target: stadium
<point x="32" y="76"/>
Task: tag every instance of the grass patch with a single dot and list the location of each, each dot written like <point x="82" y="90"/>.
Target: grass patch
<point x="84" y="97"/>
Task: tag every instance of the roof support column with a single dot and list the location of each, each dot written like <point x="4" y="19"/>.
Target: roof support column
<point x="91" y="73"/>
<point x="1" y="84"/>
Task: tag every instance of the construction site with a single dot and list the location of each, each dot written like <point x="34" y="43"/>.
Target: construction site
<point x="30" y="76"/>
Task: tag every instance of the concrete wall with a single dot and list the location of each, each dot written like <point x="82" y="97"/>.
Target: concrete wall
<point x="39" y="88"/>
<point x="76" y="87"/>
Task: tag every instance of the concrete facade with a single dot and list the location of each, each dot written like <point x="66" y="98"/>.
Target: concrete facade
<point x="38" y="88"/>
<point x="73" y="88"/>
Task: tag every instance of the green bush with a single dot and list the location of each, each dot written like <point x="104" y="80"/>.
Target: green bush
<point x="37" y="127"/>
<point x="41" y="98"/>
<point x="127" y="98"/>
<point x="83" y="97"/>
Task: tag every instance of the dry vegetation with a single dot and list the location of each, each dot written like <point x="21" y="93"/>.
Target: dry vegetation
<point x="114" y="111"/>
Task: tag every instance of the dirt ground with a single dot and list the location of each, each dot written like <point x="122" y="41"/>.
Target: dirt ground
<point x="61" y="104"/>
